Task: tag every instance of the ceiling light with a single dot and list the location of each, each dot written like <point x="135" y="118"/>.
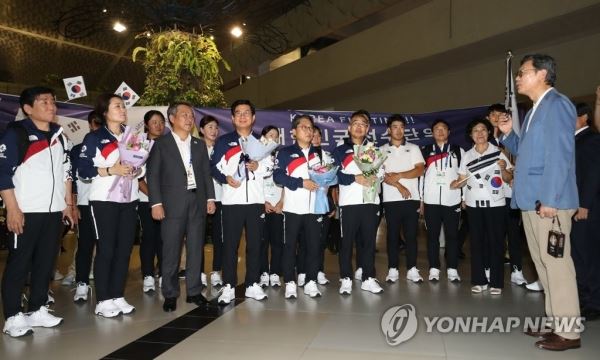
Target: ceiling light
<point x="212" y="37"/>
<point x="236" y="31"/>
<point x="118" y="27"/>
<point x="248" y="77"/>
<point x="104" y="10"/>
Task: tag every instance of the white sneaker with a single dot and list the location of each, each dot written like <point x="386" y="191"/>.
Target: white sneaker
<point x="322" y="279"/>
<point x="58" y="276"/>
<point x="535" y="286"/>
<point x="107" y="309"/>
<point x="274" y="279"/>
<point x="413" y="275"/>
<point x="255" y="292"/>
<point x="487" y="274"/>
<point x="203" y="279"/>
<point x="81" y="292"/>
<point x="227" y="294"/>
<point x="392" y="275"/>
<point x="516" y="277"/>
<point x="148" y="284"/>
<point x="434" y="274"/>
<point x="264" y="279"/>
<point x="311" y="289"/>
<point x="122" y="304"/>
<point x="453" y="275"/>
<point x="215" y="279"/>
<point x="68" y="280"/>
<point x="43" y="318"/>
<point x="17" y="325"/>
<point x="358" y="274"/>
<point x="290" y="290"/>
<point x="301" y="279"/>
<point x="477" y="289"/>
<point x="346" y="286"/>
<point x="50" y="299"/>
<point x="371" y="285"/>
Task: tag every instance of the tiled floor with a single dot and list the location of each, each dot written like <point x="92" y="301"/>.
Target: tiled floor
<point x="330" y="327"/>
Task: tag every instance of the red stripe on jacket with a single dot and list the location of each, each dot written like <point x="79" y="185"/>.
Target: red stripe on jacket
<point x="35" y="147"/>
<point x="435" y="158"/>
<point x="108" y="149"/>
<point x="347" y="160"/>
<point x="232" y="152"/>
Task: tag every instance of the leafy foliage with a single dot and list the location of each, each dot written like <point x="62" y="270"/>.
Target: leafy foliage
<point x="181" y="66"/>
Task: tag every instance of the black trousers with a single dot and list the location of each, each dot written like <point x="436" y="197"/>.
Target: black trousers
<point x="34" y="251"/>
<point x="585" y="251"/>
<point x="402" y="214"/>
<point x="114" y="224"/>
<point x="272" y="238"/>
<point x="359" y="226"/>
<point x="449" y="216"/>
<point x="216" y="233"/>
<point x="151" y="245"/>
<point x="86" y="241"/>
<point x="514" y="236"/>
<point x="323" y="240"/>
<point x="235" y="218"/>
<point x="308" y="227"/>
<point x="487" y="230"/>
<point x="188" y="225"/>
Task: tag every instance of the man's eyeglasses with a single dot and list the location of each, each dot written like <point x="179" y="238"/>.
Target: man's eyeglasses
<point x="306" y="128"/>
<point x="520" y="73"/>
<point x="243" y="113"/>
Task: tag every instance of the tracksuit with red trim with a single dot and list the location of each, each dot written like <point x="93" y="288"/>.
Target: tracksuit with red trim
<point x="114" y="222"/>
<point x="39" y="187"/>
<point x="299" y="218"/>
<point x="241" y="207"/>
<point x="358" y="219"/>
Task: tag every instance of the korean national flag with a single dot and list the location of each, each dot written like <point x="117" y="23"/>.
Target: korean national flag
<point x="129" y="96"/>
<point x="75" y="87"/>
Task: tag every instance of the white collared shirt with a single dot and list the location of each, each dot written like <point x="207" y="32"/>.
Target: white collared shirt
<point x="535" y="106"/>
<point x="184" y="147"/>
<point x="580" y="130"/>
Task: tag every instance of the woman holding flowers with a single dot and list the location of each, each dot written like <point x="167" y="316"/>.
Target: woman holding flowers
<point x="359" y="164"/>
<point x="114" y="221"/>
<point x="299" y="218"/>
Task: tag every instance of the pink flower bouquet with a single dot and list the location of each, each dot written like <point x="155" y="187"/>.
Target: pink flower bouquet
<point x="134" y="149"/>
<point x="369" y="160"/>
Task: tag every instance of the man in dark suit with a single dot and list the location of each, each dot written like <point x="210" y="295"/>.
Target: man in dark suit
<point x="544" y="189"/>
<point x="586" y="224"/>
<point x="181" y="192"/>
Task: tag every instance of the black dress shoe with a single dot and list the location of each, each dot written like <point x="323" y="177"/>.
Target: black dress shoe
<point x="170" y="304"/>
<point x="197" y="299"/>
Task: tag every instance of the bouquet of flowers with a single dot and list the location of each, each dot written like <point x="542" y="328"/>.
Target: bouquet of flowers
<point x="369" y="160"/>
<point x="253" y="149"/>
<point x="134" y="149"/>
<point x="325" y="175"/>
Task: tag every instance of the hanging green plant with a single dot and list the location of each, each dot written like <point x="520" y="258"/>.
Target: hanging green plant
<point x="181" y="66"/>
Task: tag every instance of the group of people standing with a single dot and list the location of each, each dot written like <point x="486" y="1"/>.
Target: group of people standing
<point x="273" y="201"/>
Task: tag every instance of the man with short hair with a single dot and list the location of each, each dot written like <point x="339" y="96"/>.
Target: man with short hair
<point x="586" y="224"/>
<point x="35" y="187"/>
<point x="545" y="190"/>
<point x="181" y="192"/>
<point x="401" y="199"/>
<point x="243" y="202"/>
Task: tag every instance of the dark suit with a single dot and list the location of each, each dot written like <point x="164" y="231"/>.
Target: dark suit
<point x="185" y="210"/>
<point x="584" y="234"/>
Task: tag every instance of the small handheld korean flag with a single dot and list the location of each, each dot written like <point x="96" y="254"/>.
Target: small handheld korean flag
<point x="75" y="87"/>
<point x="129" y="96"/>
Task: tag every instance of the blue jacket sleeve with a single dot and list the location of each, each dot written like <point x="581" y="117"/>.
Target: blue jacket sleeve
<point x="559" y="154"/>
<point x="217" y="156"/>
<point x="511" y="143"/>
<point x="8" y="159"/>
<point x="74" y="157"/>
<point x="85" y="164"/>
<point x="279" y="174"/>
<point x="343" y="179"/>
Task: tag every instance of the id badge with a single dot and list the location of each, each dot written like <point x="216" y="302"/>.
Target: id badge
<point x="191" y="179"/>
<point x="556" y="243"/>
<point x="440" y="178"/>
